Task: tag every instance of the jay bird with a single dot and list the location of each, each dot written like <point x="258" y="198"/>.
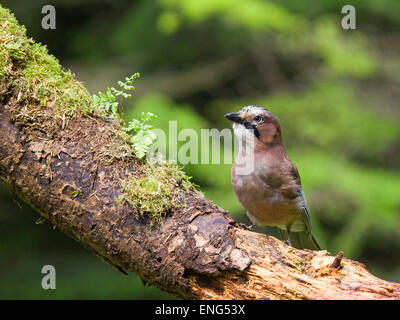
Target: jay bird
<point x="271" y="191"/>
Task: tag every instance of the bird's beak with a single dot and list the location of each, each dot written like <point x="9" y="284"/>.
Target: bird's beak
<point x="234" y="116"/>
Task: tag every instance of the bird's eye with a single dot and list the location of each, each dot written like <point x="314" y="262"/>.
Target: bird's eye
<point x="257" y="119"/>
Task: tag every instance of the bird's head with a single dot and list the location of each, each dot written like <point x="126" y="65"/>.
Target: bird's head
<point x="254" y="122"/>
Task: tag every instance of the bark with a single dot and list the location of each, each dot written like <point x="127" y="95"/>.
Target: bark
<point x="197" y="252"/>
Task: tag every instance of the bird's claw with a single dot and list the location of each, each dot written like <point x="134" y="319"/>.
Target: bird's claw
<point x="244" y="226"/>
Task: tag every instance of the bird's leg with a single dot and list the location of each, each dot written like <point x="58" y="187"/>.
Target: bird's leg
<point x="283" y="236"/>
<point x="286" y="241"/>
<point x="288" y="233"/>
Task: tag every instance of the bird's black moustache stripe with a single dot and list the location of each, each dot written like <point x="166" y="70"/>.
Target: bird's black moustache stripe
<point x="248" y="125"/>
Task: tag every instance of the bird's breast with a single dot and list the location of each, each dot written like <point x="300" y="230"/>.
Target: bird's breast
<point x="263" y="202"/>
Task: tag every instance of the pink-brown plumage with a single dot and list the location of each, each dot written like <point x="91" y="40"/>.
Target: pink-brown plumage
<point x="271" y="192"/>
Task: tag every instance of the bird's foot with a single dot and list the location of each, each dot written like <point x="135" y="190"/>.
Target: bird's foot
<point x="246" y="226"/>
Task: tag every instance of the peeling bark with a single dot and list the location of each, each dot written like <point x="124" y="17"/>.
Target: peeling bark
<point x="198" y="252"/>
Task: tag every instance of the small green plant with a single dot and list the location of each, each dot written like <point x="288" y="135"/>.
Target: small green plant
<point x="141" y="133"/>
<point x="107" y="102"/>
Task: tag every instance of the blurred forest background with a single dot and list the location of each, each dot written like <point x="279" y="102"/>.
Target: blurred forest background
<point x="336" y="93"/>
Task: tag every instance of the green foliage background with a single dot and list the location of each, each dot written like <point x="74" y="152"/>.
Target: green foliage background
<point x="335" y="92"/>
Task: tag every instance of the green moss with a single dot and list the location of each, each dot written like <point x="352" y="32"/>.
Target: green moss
<point x="157" y="192"/>
<point x="74" y="193"/>
<point x="299" y="264"/>
<point x="28" y="68"/>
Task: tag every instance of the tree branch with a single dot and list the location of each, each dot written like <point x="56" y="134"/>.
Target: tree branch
<point x="70" y="164"/>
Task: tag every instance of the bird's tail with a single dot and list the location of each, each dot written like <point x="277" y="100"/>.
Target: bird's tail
<point x="301" y="240"/>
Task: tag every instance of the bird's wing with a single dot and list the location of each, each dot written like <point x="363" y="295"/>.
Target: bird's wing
<point x="303" y="239"/>
<point x="303" y="221"/>
<point x="303" y="212"/>
<point x="284" y="179"/>
<point x="305" y="218"/>
<point x="300" y="240"/>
